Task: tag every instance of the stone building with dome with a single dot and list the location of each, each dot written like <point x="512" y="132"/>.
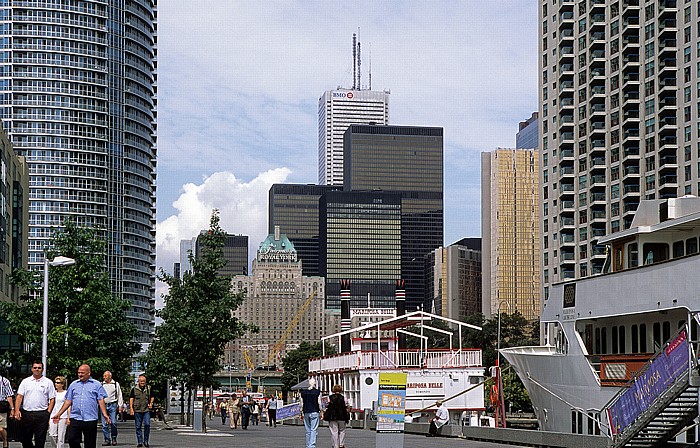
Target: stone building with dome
<point x="275" y="292"/>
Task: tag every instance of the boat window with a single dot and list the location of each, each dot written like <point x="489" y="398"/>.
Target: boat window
<point x="657" y="336"/>
<point x="635" y="339"/>
<point x="666" y="331"/>
<point x="614" y="340"/>
<point x="691" y="246"/>
<point x="681" y="324"/>
<point x="655" y="252"/>
<point x="632" y="255"/>
<point x="597" y="341"/>
<point x="604" y="341"/>
<point x="622" y="339"/>
<point x="643" y="338"/>
<point x="678" y="249"/>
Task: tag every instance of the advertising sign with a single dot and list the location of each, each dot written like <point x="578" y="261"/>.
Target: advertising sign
<point x="288" y="411"/>
<point x="661" y="374"/>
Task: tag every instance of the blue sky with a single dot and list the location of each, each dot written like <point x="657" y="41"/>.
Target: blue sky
<point x="239" y="82"/>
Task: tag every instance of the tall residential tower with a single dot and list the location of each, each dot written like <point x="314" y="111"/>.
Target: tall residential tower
<point x="619" y="117"/>
<point x="78" y="87"/>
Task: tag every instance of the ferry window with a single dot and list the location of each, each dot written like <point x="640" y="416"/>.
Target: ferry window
<point x="635" y="339"/>
<point x="614" y="340"/>
<point x="622" y="339"/>
<point x="573" y="422"/>
<point x="579" y="418"/>
<point x="597" y="341"/>
<point x="604" y="341"/>
<point x="666" y="331"/>
<point x="691" y="246"/>
<point x="655" y="252"/>
<point x="681" y="323"/>
<point x="632" y="256"/>
<point x="643" y="338"/>
<point x="591" y="422"/>
<point x="657" y="336"/>
<point x="678" y="248"/>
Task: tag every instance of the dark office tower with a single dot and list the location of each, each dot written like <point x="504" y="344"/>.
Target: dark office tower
<point x="78" y="94"/>
<point x="235" y="254"/>
<point x="528" y="135"/>
<point x="360" y="240"/>
<point x="406" y="160"/>
<point x="294" y="208"/>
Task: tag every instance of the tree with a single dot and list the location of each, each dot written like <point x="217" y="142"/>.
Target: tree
<point x="435" y="338"/>
<point x="86" y="321"/>
<point x="198" y="317"/>
<point x="296" y="362"/>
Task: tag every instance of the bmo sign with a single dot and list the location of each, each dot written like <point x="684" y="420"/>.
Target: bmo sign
<point x="347" y="95"/>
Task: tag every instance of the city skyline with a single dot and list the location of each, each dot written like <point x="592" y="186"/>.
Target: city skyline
<point x="239" y="86"/>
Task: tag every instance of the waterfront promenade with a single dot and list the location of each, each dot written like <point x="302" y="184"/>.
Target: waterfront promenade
<point x="283" y="436"/>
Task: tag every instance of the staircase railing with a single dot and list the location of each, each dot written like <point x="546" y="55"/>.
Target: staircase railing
<point x="662" y="379"/>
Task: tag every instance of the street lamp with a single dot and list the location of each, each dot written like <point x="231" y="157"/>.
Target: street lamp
<point x="58" y="261"/>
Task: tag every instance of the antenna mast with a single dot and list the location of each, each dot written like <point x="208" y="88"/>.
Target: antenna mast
<point x="359" y="62"/>
<point x="354" y="60"/>
<point x="370" y="66"/>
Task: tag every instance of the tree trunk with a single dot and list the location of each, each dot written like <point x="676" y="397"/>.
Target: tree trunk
<point x="182" y="403"/>
<point x="189" y="405"/>
<point x="204" y="417"/>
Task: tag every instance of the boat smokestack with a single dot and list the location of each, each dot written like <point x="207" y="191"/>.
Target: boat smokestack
<point x="400" y="295"/>
<point x="345" y="322"/>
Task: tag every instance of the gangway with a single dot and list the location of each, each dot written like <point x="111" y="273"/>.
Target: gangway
<point x="670" y="410"/>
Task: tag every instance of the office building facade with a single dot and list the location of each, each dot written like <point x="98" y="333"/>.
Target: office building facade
<point x="407" y="160"/>
<point x="338" y="109"/>
<point x="287" y="306"/>
<point x="454" y="279"/>
<point x="235" y="252"/>
<point x="619" y="120"/>
<point x="78" y="83"/>
<point x="360" y="241"/>
<point x="528" y="133"/>
<point x="510" y="231"/>
<point x="294" y="208"/>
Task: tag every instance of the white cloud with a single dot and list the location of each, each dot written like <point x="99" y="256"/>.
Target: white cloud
<point x="242" y="206"/>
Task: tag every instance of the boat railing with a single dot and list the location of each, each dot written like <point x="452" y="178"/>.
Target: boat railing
<point x="393" y="359"/>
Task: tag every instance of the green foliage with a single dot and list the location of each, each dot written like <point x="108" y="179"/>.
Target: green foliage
<point x="86" y="322"/>
<point x="516" y="331"/>
<point x="197" y="317"/>
<point x="296" y="362"/>
<point x="435" y="338"/>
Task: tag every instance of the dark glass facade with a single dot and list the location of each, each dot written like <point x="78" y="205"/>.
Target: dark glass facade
<point x="407" y="160"/>
<point x="294" y="208"/>
<point x="235" y="254"/>
<point x="361" y="240"/>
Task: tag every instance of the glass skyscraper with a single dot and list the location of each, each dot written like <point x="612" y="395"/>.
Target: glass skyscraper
<point x="78" y="86"/>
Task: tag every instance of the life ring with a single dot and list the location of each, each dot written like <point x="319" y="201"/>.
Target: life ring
<point x="493" y="396"/>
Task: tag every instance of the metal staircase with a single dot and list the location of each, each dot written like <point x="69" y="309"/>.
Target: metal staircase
<point x="669" y="414"/>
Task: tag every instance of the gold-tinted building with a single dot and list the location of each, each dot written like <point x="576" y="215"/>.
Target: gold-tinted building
<point x="510" y="230"/>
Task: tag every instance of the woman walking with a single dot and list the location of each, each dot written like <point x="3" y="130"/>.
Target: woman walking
<point x="272" y="411"/>
<point x="337" y="416"/>
<point x="57" y="431"/>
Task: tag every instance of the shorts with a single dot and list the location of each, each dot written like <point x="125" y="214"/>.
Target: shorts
<point x="3" y="420"/>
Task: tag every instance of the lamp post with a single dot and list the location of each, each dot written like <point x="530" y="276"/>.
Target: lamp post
<point x="58" y="261"/>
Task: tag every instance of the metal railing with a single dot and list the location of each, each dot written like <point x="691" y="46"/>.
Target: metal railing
<point x="397" y="359"/>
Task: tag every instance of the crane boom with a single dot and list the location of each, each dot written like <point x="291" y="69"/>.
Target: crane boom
<point x="280" y="344"/>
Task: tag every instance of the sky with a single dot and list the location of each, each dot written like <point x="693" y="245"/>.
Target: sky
<point x="239" y="83"/>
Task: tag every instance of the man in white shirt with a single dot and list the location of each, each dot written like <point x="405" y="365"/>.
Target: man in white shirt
<point x="113" y="403"/>
<point x="442" y="416"/>
<point x="36" y="397"/>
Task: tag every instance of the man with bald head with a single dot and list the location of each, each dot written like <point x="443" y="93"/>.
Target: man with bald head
<point x="86" y="398"/>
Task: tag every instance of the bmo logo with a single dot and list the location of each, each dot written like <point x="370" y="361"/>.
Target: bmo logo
<point x="347" y="95"/>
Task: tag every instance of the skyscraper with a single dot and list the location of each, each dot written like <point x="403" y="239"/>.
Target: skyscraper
<point x="527" y="136"/>
<point x="235" y="252"/>
<point x="619" y="102"/>
<point x="407" y="160"/>
<point x="294" y="209"/>
<point x="510" y="229"/>
<point x="338" y="109"/>
<point x="78" y="86"/>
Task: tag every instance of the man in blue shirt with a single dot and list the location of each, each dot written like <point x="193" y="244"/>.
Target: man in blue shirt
<point x="86" y="398"/>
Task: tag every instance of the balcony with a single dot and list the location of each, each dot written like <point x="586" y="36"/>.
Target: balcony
<point x="438" y="359"/>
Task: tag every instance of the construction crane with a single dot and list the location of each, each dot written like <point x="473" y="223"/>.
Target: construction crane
<point x="281" y="342"/>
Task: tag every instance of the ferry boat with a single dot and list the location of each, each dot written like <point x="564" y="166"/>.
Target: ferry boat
<point x="601" y="333"/>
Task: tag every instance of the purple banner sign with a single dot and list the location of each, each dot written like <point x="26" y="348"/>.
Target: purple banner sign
<point x="662" y="373"/>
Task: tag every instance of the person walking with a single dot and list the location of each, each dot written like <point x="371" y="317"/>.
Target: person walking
<point x="36" y="397"/>
<point x="223" y="411"/>
<point x="245" y="401"/>
<point x="7" y="407"/>
<point x="57" y="430"/>
<point x="86" y="400"/>
<point x="140" y="404"/>
<point x="310" y="408"/>
<point x="234" y="412"/>
<point x="255" y="413"/>
<point x="337" y="416"/>
<point x="442" y="416"/>
<point x="272" y="411"/>
<point x="113" y="403"/>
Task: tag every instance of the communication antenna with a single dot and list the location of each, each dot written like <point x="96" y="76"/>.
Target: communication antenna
<point x="354" y="60"/>
<point x="359" y="64"/>
<point x="370" y="66"/>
